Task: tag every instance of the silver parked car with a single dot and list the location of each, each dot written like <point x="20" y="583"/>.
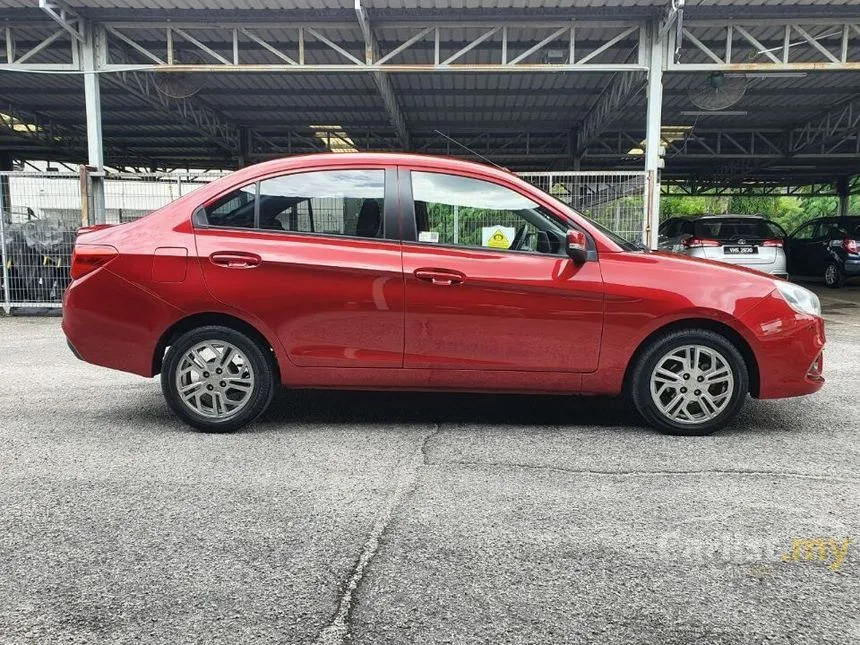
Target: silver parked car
<point x="749" y="240"/>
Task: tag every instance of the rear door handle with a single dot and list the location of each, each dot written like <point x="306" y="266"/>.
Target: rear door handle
<point x="235" y="259"/>
<point x="441" y="277"/>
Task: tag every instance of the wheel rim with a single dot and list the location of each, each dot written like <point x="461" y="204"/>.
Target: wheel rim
<point x="215" y="379"/>
<point x="830" y="274"/>
<point x="692" y="384"/>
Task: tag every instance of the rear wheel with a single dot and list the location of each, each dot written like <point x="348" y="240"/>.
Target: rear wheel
<point x="690" y="382"/>
<point x="217" y="379"/>
<point x="833" y="276"/>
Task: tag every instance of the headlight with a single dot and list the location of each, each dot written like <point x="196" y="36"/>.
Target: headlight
<point x="801" y="300"/>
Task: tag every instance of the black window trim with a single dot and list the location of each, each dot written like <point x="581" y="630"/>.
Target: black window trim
<point x="410" y="226"/>
<point x="390" y="216"/>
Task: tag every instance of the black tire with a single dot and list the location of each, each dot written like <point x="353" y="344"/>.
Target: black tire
<point x="833" y="276"/>
<point x="258" y="358"/>
<point x="646" y="363"/>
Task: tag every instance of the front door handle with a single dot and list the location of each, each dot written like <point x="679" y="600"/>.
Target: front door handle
<point x="441" y="277"/>
<point x="235" y="259"/>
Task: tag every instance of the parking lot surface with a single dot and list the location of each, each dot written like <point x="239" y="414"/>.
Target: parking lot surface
<point x="421" y="518"/>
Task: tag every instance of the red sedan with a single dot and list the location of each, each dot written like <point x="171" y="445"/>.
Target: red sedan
<point x="394" y="271"/>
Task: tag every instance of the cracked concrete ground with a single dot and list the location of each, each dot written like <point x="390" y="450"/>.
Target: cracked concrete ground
<point x="417" y="518"/>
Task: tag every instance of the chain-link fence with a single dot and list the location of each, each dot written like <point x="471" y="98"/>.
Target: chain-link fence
<point x="614" y="199"/>
<point x="40" y="213"/>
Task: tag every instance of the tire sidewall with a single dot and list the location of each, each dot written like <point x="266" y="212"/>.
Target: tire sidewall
<point x="837" y="281"/>
<point x="263" y="369"/>
<point x="641" y="382"/>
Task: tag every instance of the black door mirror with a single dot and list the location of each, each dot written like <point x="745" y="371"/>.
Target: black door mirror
<point x="577" y="246"/>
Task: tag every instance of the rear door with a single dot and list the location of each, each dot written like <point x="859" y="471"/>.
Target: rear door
<point x="314" y="256"/>
<point x="488" y="283"/>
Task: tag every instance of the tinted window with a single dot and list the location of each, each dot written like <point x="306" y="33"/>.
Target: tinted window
<point x="669" y="228"/>
<point x="729" y="228"/>
<point x="833" y="230"/>
<point x="333" y="202"/>
<point x="470" y="212"/>
<point x="805" y="232"/>
<point x="236" y="209"/>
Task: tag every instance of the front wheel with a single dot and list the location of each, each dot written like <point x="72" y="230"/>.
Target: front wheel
<point x="833" y="277"/>
<point x="690" y="382"/>
<point x="217" y="379"/>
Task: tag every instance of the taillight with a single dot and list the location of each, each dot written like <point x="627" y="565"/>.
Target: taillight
<point x="86" y="258"/>
<point x="699" y="242"/>
<point x="775" y="242"/>
<point x="850" y="246"/>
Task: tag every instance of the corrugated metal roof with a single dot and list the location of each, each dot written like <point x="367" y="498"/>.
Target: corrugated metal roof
<point x="272" y="5"/>
<point x="282" y="106"/>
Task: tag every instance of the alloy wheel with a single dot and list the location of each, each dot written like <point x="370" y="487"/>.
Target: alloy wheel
<point x="692" y="384"/>
<point x="831" y="274"/>
<point x="215" y="379"/>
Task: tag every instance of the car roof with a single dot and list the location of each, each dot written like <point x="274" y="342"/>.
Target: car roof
<point x="728" y="216"/>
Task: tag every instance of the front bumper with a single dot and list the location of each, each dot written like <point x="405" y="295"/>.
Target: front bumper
<point x="788" y="349"/>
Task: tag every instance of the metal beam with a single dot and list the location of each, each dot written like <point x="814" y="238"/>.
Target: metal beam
<point x="95" y="142"/>
<point x="448" y="51"/>
<point x="64" y="16"/>
<point x="383" y="82"/>
<point x="621" y="89"/>
<point x="748" y="45"/>
<point x="653" y="139"/>
<point x="212" y="125"/>
<point x="826" y="132"/>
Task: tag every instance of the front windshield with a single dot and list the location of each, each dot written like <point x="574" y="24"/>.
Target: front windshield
<point x="625" y="245"/>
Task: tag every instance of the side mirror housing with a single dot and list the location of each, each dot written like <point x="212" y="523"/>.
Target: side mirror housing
<point x="577" y="246"/>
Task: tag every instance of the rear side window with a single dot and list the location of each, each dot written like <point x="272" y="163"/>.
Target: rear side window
<point x="330" y="202"/>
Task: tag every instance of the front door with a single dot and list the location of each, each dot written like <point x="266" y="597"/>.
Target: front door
<point x="312" y="256"/>
<point x="803" y="250"/>
<point x="488" y="282"/>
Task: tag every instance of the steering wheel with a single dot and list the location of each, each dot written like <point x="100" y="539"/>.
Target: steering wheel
<point x="519" y="239"/>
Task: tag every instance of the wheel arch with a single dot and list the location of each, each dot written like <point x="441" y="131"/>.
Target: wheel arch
<point x="715" y="326"/>
<point x="211" y="318"/>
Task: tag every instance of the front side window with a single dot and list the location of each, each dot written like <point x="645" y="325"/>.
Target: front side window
<point x="235" y="209"/>
<point x="330" y="202"/>
<point x="462" y="211"/>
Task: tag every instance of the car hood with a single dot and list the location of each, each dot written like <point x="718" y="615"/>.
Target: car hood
<point x="715" y="265"/>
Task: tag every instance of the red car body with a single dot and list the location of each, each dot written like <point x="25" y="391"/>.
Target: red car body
<point x="346" y="312"/>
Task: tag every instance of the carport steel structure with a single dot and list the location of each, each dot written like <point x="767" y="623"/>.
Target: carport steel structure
<point x="531" y="85"/>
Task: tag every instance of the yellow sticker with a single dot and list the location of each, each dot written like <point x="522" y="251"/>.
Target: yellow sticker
<point x="498" y="240"/>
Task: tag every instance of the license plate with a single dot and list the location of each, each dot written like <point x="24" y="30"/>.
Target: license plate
<point x="740" y="250"/>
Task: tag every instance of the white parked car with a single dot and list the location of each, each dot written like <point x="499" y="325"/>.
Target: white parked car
<point x="749" y="240"/>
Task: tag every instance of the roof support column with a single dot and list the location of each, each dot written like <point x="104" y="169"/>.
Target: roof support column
<point x="844" y="193"/>
<point x="653" y="142"/>
<point x="89" y="52"/>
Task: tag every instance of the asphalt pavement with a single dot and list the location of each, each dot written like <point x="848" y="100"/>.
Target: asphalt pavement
<point x="421" y="518"/>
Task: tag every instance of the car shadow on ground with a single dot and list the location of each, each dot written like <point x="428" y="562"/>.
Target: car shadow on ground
<point x="330" y="406"/>
<point x="292" y="408"/>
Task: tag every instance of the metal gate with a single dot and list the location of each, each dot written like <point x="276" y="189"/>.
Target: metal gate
<point x="40" y="213"/>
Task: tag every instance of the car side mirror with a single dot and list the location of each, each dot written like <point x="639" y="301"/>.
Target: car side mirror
<point x="577" y="246"/>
